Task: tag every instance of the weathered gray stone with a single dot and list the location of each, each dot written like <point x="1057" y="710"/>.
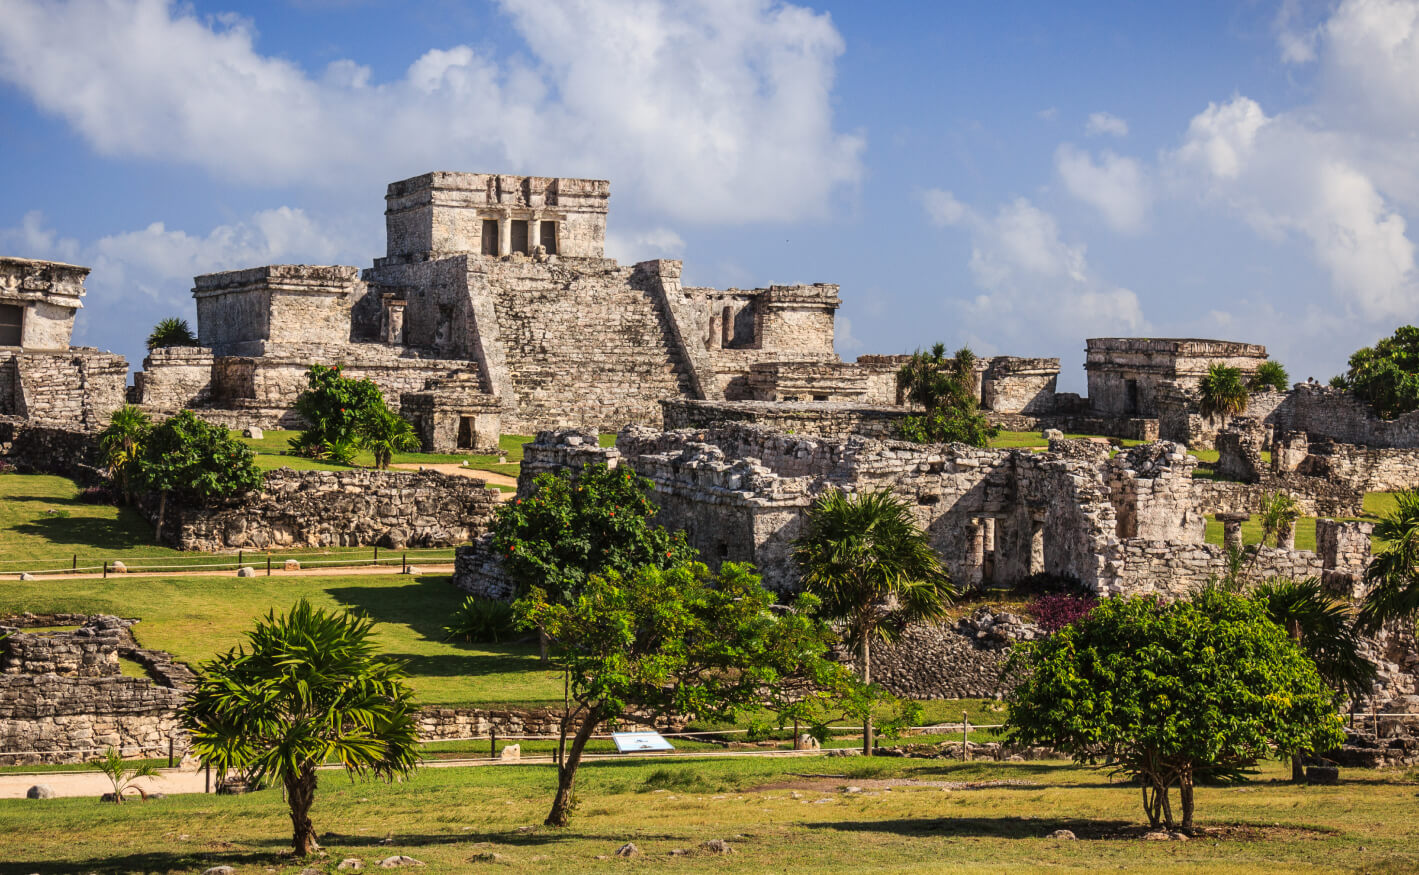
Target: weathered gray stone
<point x="246" y="571"/>
<point x="40" y="791"/>
<point x="629" y="849"/>
<point x="398" y="861"/>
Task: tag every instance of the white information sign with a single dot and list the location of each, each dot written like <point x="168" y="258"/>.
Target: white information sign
<point x="627" y="742"/>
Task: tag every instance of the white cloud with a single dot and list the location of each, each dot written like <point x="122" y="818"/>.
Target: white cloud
<point x="31" y="239"/>
<point x="637" y="246"/>
<point x="1034" y="288"/>
<point x="712" y="110"/>
<point x="1105" y="123"/>
<point x="1048" y="114"/>
<point x="1117" y="186"/>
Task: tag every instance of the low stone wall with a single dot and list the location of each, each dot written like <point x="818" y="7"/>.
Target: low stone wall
<point x="1363" y="469"/>
<point x="174" y="377"/>
<point x="829" y="419"/>
<point x="1316" y="497"/>
<point x="448" y="724"/>
<point x="943" y="662"/>
<point x="1323" y="412"/>
<point x="477" y="571"/>
<point x="1128" y="428"/>
<point x="1178" y="570"/>
<point x="336" y="508"/>
<point x="42" y="448"/>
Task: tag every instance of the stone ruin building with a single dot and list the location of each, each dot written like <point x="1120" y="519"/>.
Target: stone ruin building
<point x="42" y="377"/>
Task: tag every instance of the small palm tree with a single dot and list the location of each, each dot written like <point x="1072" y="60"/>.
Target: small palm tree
<point x="1322" y="625"/>
<point x="1223" y="392"/>
<point x="1279" y="512"/>
<point x="121" y="775"/>
<point x="872" y="567"/>
<point x="121" y="444"/>
<point x="1393" y="575"/>
<point x="384" y="433"/>
<point x="309" y="691"/>
<point x="1269" y="375"/>
<point x="171" y="332"/>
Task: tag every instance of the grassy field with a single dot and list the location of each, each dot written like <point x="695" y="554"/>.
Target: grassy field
<point x="776" y="814"/>
<point x="272" y="447"/>
<point x="1008" y="440"/>
<point x="1377" y="504"/>
<point x="196" y="617"/>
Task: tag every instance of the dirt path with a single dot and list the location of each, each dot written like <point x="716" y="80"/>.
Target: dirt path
<point x="321" y="571"/>
<point x="489" y="477"/>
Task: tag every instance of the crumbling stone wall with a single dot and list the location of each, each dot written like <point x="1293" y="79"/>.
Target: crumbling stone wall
<point x="835" y="420"/>
<point x="80" y="387"/>
<point x="1019" y="385"/>
<point x="1323" y="412"/>
<point x="48" y="449"/>
<point x="962" y="660"/>
<point x="174" y="377"/>
<point x="335" y="508"/>
<point x="63" y="699"/>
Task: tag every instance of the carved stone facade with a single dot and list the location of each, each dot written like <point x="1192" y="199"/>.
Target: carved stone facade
<point x="1126" y="373"/>
<point x="42" y="377"/>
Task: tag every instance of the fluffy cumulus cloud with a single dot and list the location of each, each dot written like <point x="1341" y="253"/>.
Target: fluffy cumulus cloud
<point x="709" y="110"/>
<point x="1032" y="284"/>
<point x="1115" y="185"/>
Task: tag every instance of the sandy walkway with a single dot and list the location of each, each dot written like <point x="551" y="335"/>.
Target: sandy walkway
<point x="259" y="565"/>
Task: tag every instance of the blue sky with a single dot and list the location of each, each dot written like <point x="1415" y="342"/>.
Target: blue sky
<point x="1016" y="176"/>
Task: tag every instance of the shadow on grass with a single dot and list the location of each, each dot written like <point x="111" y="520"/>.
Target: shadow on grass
<point x="424" y="604"/>
<point x="156" y="861"/>
<point x="462" y="664"/>
<point x="988" y="827"/>
<point x="125" y="533"/>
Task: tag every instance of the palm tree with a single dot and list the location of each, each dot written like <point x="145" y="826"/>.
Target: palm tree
<point x="1279" y="512"/>
<point x="1393" y="575"/>
<point x="1223" y="392"/>
<point x="121" y="444"/>
<point x="1322" y="625"/>
<point x="310" y="690"/>
<point x="874" y="570"/>
<point x="121" y="776"/>
<point x="384" y="433"/>
<point x="171" y="332"/>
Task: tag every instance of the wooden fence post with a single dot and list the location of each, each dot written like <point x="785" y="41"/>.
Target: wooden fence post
<point x="268" y="564"/>
<point x="965" y="734"/>
<point x="492" y="744"/>
<point x="105" y="569"/>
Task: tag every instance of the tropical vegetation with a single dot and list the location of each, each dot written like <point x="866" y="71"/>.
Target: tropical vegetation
<point x="306" y="689"/>
<point x="195" y="459"/>
<point x="1269" y="375"/>
<point x="1393" y="574"/>
<point x="171" y="332"/>
<point x="1221" y="391"/>
<point x="1386" y="375"/>
<point x="874" y="570"/>
<point x="121" y="446"/>
<point x="944" y="389"/>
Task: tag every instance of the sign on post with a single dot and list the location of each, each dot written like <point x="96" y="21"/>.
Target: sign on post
<point x="628" y="742"/>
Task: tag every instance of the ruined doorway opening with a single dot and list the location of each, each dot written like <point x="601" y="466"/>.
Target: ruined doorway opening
<point x="12" y="320"/>
<point x="549" y="237"/>
<point x="519" y="236"/>
<point x="490" y="236"/>
<point x="1130" y="397"/>
<point x="983" y="549"/>
<point x="726" y="327"/>
<point x="466" y="433"/>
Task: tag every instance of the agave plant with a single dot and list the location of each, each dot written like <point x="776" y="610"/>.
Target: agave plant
<point x="479" y="620"/>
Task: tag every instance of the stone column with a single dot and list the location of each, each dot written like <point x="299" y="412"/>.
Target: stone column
<point x="534" y="233"/>
<point x="1344" y="549"/>
<point x="1286" y="535"/>
<point x="505" y="234"/>
<point x="1037" y="540"/>
<point x="1232" y="528"/>
<point x="977" y="572"/>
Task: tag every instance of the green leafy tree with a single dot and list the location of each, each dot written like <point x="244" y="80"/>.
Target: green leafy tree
<point x="1324" y="627"/>
<point x="871" y="565"/>
<point x="121" y="445"/>
<point x="122" y="775"/>
<point x="1269" y="375"/>
<point x="306" y="689"/>
<point x="576" y="524"/>
<point x="1222" y="391"/>
<point x="943" y="388"/>
<point x="333" y="407"/>
<point x="1173" y="693"/>
<point x="195" y="459"/>
<point x="384" y="433"/>
<point x="675" y="641"/>
<point x="1393" y="575"/>
<point x="171" y="332"/>
<point x="1386" y="375"/>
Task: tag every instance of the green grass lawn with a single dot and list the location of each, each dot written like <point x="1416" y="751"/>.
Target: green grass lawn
<point x="1376" y="505"/>
<point x="778" y="815"/>
<point x="272" y="448"/>
<point x="1007" y="440"/>
<point x="194" y="618"/>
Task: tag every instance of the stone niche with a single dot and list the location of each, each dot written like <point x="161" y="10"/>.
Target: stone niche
<point x="454" y="415"/>
<point x="240" y="311"/>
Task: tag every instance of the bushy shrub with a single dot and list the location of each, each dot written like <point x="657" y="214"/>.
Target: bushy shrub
<point x="945" y="389"/>
<point x="1223" y="392"/>
<point x="482" y="620"/>
<point x="1057" y="610"/>
<point x="1270" y="375"/>
<point x="1387" y="374"/>
<point x="332" y="406"/>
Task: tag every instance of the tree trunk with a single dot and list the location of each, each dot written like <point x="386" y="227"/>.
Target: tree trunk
<point x="561" y="813"/>
<point x="1298" y="768"/>
<point x="1185" y="796"/>
<point x="866" y="679"/>
<point x="300" y="794"/>
<point x="158" y="526"/>
<point x="543" y="643"/>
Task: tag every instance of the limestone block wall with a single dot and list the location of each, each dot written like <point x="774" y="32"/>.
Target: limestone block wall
<point x="1151" y="488"/>
<point x="1125" y="373"/>
<point x="1363" y="469"/>
<point x="79" y="387"/>
<point x="1139" y="566"/>
<point x="829" y="419"/>
<point x="1315" y="495"/>
<point x="1019" y="385"/>
<point x="48" y="449"/>
<point x="279" y="303"/>
<point x="1323" y="412"/>
<point x="941" y="662"/>
<point x="806" y="381"/>
<point x="336" y="508"/>
<point x="174" y="377"/>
